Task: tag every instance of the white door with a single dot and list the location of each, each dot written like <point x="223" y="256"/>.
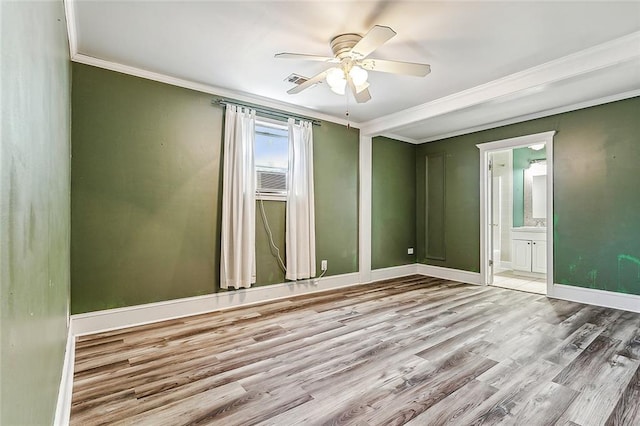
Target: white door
<point x="521" y="255"/>
<point x="490" y="187"/>
<point x="539" y="257"/>
<point x="496" y="211"/>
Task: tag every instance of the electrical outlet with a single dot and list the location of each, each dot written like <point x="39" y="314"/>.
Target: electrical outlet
<point x="323" y="265"/>
<point x="410" y="250"/>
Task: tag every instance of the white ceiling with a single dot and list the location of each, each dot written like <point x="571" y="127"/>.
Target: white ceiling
<point x="492" y="62"/>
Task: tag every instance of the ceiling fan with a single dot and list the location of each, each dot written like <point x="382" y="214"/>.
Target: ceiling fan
<point x="351" y="63"/>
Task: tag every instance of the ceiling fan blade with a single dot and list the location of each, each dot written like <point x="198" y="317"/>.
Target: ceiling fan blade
<point x="361" y="94"/>
<point x="396" y="67"/>
<point x="304" y="57"/>
<point x="376" y="37"/>
<point x="312" y="81"/>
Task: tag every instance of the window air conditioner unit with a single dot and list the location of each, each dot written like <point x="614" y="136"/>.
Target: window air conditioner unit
<point x="271" y="181"/>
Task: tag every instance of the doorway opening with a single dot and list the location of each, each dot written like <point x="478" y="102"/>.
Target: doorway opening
<point x="516" y="186"/>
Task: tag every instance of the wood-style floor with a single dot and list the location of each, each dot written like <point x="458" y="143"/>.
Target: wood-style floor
<point x="416" y="350"/>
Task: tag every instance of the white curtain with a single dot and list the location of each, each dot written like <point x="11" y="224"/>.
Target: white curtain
<point x="238" y="252"/>
<point x="300" y="219"/>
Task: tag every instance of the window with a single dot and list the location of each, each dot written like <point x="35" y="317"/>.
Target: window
<point x="271" y="153"/>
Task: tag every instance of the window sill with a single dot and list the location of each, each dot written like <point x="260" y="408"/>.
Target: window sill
<point x="271" y="197"/>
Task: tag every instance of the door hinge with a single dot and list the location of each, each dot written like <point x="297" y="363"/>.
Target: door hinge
<point x="491" y="263"/>
<point x="490" y="164"/>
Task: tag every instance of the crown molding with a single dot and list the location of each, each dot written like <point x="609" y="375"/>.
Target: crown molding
<point x="205" y="88"/>
<point x="588" y="60"/>
<point x="72" y="34"/>
<point x="535" y="115"/>
<point x="400" y="138"/>
<point x="604" y="55"/>
<point x="75" y="56"/>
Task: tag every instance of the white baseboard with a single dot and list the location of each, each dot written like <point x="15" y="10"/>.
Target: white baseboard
<point x="63" y="406"/>
<point x="449" y="274"/>
<point x="590" y="296"/>
<point x="394" y="272"/>
<point x="111" y="319"/>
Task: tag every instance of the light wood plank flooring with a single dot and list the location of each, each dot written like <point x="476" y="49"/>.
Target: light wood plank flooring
<point x="416" y="350"/>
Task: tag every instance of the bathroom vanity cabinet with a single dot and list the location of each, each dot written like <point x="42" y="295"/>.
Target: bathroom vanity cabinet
<point x="529" y="250"/>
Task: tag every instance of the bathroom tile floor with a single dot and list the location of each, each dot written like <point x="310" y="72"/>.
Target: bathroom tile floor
<point x="507" y="279"/>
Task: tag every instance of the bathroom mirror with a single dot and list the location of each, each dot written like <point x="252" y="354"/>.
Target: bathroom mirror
<point x="535" y="193"/>
<point x="539" y="197"/>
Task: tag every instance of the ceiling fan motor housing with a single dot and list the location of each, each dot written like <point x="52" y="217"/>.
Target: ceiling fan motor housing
<point x="342" y="44"/>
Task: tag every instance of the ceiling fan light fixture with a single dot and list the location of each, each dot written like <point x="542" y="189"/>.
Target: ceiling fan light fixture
<point x="336" y="80"/>
<point x="339" y="90"/>
<point x="358" y="75"/>
<point x="351" y="66"/>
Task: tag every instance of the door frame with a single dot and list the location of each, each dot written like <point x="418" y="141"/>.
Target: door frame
<point x="485" y="205"/>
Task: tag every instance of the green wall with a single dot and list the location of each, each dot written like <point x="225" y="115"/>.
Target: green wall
<point x="393" y="202"/>
<point x="34" y="209"/>
<point x="268" y="270"/>
<point x="335" y="167"/>
<point x="146" y="194"/>
<point x="145" y="186"/>
<point x="596" y="201"/>
<point x="462" y="203"/>
<point x="521" y="161"/>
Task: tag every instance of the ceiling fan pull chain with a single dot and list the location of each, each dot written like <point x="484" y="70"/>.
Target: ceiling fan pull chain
<point x="346" y="102"/>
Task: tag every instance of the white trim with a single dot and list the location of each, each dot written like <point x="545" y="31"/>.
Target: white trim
<point x="394" y="272"/>
<point x="271" y="197"/>
<point x="590" y="296"/>
<point x="364" y="208"/>
<point x="272" y="122"/>
<point x="72" y="32"/>
<point x="111" y="319"/>
<point x="400" y="138"/>
<point x="588" y="60"/>
<point x="585" y="61"/>
<point x="485" y="149"/>
<point x="205" y="88"/>
<point x="449" y="274"/>
<point x="75" y="56"/>
<point x="516" y="142"/>
<point x="65" y="391"/>
<point x="550" y="224"/>
<point x="533" y="116"/>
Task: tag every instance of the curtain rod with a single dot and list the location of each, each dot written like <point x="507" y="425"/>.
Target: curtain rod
<point x="268" y="112"/>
